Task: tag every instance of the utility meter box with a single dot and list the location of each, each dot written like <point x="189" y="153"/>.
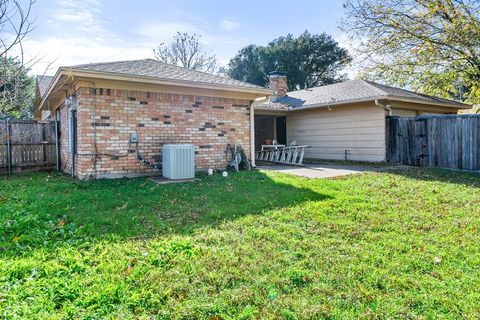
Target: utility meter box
<point x="178" y="161"/>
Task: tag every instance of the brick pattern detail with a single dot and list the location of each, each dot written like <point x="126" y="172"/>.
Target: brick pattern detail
<point x="158" y="118"/>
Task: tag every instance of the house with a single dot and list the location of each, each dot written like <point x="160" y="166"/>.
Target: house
<point x="345" y="120"/>
<point x="114" y="117"/>
<point x="112" y="113"/>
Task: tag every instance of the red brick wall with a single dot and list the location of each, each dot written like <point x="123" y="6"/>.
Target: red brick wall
<point x="264" y="130"/>
<point x="209" y="123"/>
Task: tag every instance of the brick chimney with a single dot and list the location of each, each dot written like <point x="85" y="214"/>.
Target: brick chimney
<point x="278" y="83"/>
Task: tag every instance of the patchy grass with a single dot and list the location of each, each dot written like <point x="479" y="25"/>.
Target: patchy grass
<point x="380" y="245"/>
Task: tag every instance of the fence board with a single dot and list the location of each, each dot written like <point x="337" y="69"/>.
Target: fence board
<point x="33" y="145"/>
<point x="447" y="141"/>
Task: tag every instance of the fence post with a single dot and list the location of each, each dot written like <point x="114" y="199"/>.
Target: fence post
<point x="9" y="147"/>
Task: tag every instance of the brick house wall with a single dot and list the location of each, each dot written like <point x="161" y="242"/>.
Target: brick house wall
<point x="62" y="115"/>
<point x="209" y="123"/>
<point x="65" y="157"/>
<point x="264" y="130"/>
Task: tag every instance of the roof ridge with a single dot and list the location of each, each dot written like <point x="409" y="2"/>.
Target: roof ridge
<point x="197" y="71"/>
<point x="372" y="84"/>
<point x="152" y="68"/>
<point x="105" y="62"/>
<point x="325" y="85"/>
<point x="88" y="65"/>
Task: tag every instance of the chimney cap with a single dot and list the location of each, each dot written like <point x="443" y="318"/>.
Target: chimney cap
<point x="278" y="73"/>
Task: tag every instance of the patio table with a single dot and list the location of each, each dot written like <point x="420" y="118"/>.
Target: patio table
<point x="272" y="146"/>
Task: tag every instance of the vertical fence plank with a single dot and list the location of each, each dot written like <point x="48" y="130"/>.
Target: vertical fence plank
<point x="30" y="144"/>
<point x="449" y="141"/>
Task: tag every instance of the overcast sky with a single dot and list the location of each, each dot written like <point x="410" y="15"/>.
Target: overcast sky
<point x="70" y="32"/>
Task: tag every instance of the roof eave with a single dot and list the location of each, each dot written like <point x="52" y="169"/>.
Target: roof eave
<point x="49" y="89"/>
<point x="337" y="103"/>
<point x="456" y="105"/>
<point x="272" y="109"/>
<point x="165" y="81"/>
<point x="259" y="92"/>
<point x="393" y="98"/>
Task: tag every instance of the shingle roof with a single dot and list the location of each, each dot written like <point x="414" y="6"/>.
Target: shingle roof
<point x="155" y="69"/>
<point x="397" y="92"/>
<point x="348" y="91"/>
<point x="42" y="83"/>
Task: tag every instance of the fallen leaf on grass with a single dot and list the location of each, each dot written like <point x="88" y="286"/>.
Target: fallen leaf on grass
<point x="122" y="207"/>
<point x="130" y="266"/>
<point x="127" y="270"/>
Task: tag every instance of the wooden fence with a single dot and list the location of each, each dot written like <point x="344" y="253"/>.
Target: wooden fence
<point x="445" y="141"/>
<point x="27" y="146"/>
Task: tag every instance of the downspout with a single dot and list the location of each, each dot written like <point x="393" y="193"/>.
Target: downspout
<point x="73" y="140"/>
<point x="95" y="155"/>
<point x="387" y="108"/>
<point x="252" y="134"/>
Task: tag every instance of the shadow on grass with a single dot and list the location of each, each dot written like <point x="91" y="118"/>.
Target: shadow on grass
<point x="467" y="178"/>
<point x="41" y="210"/>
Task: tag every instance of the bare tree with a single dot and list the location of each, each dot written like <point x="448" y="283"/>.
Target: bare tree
<point x="15" y="23"/>
<point x="15" y="85"/>
<point x="186" y="51"/>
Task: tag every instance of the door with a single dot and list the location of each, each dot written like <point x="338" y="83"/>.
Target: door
<point x="281" y="128"/>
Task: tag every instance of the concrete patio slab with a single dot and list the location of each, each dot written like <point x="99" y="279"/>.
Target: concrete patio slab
<point x="163" y="180"/>
<point x="317" y="171"/>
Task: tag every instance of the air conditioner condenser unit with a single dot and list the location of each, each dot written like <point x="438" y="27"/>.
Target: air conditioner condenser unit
<point x="178" y="161"/>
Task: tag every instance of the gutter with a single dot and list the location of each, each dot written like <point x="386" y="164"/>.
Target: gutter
<point x="334" y="103"/>
<point x="387" y="108"/>
<point x="369" y="99"/>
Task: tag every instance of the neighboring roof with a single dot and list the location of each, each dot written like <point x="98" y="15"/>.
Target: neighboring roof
<point x="43" y="82"/>
<point x="349" y="92"/>
<point x="155" y="69"/>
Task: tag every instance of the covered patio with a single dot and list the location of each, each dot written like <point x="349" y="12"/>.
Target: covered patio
<point x="271" y="139"/>
<point x="270" y="127"/>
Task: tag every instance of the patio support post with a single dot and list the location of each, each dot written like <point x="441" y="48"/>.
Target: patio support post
<point x="275" y="128"/>
<point x="252" y="135"/>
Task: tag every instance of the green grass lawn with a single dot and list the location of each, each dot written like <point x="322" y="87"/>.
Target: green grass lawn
<point x="399" y="244"/>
